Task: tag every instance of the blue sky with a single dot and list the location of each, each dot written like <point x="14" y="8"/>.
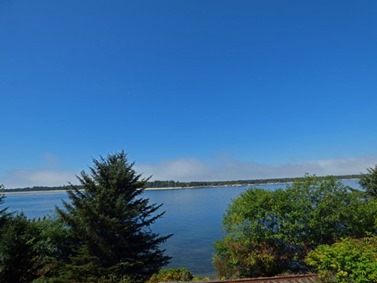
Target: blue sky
<point x="191" y="90"/>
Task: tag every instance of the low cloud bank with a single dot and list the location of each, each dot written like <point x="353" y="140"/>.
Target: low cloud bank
<point x="196" y="170"/>
<point x="37" y="177"/>
<point x="231" y="169"/>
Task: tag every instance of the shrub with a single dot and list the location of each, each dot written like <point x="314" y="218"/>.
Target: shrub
<point x="171" y="275"/>
<point x="350" y="260"/>
<point x="271" y="232"/>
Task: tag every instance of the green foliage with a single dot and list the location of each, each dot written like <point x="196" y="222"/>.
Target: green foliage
<point x="175" y="274"/>
<point x="350" y="260"/>
<point x="171" y="275"/>
<point x="24" y="251"/>
<point x="201" y="279"/>
<point x="28" y="249"/>
<point x="110" y="224"/>
<point x="54" y="243"/>
<point x="369" y="182"/>
<point x="17" y="238"/>
<point x="4" y="215"/>
<point x="270" y="232"/>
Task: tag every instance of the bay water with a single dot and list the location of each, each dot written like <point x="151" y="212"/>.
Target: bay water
<point x="193" y="216"/>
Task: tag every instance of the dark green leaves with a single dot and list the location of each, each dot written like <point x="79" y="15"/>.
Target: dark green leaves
<point x="111" y="222"/>
<point x="369" y="182"/>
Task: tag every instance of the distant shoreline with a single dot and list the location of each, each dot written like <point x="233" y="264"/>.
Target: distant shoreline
<point x="30" y="191"/>
<point x="9" y="192"/>
<point x="148" y="189"/>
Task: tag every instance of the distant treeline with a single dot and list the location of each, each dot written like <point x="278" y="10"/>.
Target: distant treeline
<point x="177" y="184"/>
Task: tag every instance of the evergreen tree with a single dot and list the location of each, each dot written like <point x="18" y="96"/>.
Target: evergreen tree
<point x="110" y="222"/>
<point x="22" y="258"/>
<point x="29" y="249"/>
<point x="4" y="215"/>
<point x="369" y="182"/>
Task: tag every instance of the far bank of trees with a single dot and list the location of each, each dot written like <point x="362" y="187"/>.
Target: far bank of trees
<point x="194" y="184"/>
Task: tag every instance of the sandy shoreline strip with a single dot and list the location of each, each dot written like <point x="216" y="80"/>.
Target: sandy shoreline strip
<point x="165" y="188"/>
<point x="63" y="191"/>
<point x="146" y="189"/>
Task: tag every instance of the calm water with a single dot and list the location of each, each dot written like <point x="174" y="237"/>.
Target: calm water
<point x="193" y="215"/>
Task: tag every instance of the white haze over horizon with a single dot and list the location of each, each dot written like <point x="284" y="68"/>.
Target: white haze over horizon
<point x="191" y="169"/>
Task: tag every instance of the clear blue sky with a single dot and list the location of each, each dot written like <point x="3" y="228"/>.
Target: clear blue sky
<point x="191" y="90"/>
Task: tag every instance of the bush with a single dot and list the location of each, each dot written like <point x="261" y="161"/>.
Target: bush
<point x="350" y="260"/>
<point x="271" y="232"/>
<point x="23" y="256"/>
<point x="171" y="275"/>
